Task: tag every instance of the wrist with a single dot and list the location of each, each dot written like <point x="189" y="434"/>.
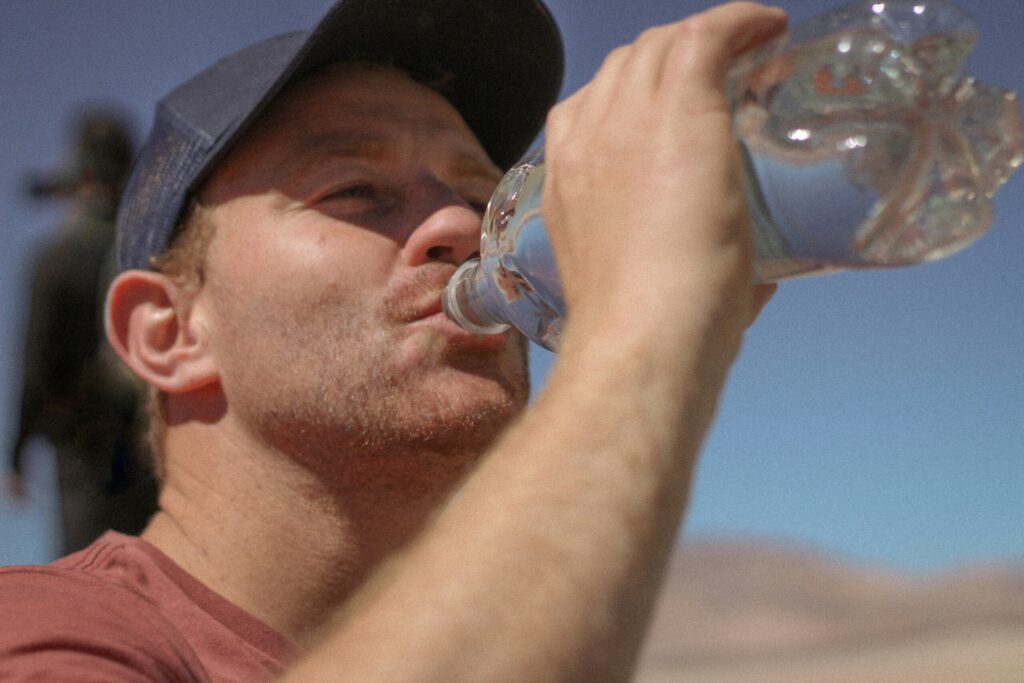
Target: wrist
<point x="673" y="334"/>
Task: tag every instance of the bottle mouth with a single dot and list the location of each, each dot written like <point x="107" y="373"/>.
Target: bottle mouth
<point x="462" y="304"/>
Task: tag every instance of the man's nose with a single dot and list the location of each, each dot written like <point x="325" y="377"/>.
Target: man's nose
<point x="449" y="233"/>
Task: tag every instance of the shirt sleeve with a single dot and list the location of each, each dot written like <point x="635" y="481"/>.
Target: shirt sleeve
<point x="66" y="626"/>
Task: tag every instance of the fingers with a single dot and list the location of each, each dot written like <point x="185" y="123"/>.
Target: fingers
<point x="682" y="64"/>
<point x="707" y="43"/>
<point x="697" y="51"/>
<point x="694" y="52"/>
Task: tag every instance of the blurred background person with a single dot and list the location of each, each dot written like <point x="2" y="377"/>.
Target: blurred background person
<point x="74" y="393"/>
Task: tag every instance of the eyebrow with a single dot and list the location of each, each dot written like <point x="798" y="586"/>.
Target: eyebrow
<point x="368" y="146"/>
<point x="467" y="164"/>
<point x="327" y="147"/>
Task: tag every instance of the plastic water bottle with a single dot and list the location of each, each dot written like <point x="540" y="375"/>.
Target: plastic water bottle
<point x="864" y="144"/>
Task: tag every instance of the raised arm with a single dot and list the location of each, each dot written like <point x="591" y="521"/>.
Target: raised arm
<point x="545" y="565"/>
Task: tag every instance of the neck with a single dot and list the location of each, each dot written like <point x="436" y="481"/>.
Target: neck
<point x="241" y="518"/>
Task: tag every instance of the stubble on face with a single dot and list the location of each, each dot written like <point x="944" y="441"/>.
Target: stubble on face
<point x="376" y="391"/>
<point x="323" y="354"/>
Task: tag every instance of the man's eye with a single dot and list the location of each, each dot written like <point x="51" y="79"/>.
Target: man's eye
<point x="359" y="191"/>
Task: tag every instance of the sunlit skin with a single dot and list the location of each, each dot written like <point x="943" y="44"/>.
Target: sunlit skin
<point x="328" y="407"/>
<point x="339" y="220"/>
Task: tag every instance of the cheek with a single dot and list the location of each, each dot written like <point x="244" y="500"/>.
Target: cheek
<point x="298" y="308"/>
<point x="300" y="263"/>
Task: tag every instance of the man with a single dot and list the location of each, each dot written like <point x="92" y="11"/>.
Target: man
<point x="74" y="391"/>
<point x="343" y="496"/>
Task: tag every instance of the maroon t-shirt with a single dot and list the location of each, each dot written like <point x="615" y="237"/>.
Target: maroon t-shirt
<point x="121" y="610"/>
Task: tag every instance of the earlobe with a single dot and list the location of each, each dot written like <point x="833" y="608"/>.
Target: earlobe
<point x="151" y="324"/>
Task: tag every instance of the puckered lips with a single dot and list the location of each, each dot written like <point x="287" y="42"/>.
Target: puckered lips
<point x="429" y="313"/>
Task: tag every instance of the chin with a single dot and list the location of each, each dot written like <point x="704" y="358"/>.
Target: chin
<point x="468" y="364"/>
<point x="499" y="376"/>
<point x="470" y="402"/>
<point x="459" y="392"/>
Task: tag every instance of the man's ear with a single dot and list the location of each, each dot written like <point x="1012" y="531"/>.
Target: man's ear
<point x="151" y="324"/>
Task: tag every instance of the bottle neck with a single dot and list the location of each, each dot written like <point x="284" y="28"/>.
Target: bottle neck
<point x="465" y="300"/>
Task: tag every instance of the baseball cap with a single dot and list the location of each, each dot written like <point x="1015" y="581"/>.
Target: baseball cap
<point x="499" y="63"/>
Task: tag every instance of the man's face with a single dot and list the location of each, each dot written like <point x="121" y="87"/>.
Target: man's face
<point x="338" y="220"/>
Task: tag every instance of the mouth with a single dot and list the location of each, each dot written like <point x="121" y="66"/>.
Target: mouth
<point x="430" y="316"/>
<point x="416" y="306"/>
<point x="431" y="308"/>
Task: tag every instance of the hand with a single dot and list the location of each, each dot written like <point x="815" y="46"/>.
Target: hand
<point x="644" y="192"/>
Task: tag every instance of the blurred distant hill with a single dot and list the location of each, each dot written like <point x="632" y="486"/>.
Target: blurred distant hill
<point x="756" y="611"/>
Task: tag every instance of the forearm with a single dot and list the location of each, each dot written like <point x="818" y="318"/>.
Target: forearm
<point x="546" y="564"/>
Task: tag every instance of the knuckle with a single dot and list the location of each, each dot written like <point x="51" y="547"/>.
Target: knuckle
<point x="650" y="35"/>
<point x="695" y="28"/>
<point x="559" y="115"/>
<point x="615" y="58"/>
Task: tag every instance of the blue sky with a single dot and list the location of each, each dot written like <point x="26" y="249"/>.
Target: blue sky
<point x="875" y="415"/>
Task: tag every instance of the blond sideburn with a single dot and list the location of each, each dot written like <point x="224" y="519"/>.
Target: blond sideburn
<point x="184" y="262"/>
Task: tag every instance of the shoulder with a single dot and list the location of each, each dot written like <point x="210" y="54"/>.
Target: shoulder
<point x="61" y="623"/>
